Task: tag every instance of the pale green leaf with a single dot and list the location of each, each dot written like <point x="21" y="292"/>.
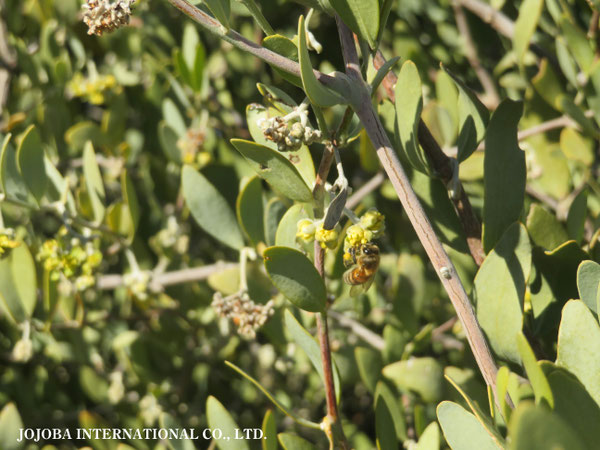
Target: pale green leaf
<point x="210" y="209"/>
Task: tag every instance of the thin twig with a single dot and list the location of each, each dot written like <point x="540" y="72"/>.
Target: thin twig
<point x="240" y="42"/>
<point x="371" y="338"/>
<point x="431" y="243"/>
<point x="114" y="281"/>
<point x="445" y="170"/>
<point x="552" y="124"/>
<point x="485" y="79"/>
<point x="365" y="190"/>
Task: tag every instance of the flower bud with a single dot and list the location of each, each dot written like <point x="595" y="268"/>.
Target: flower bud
<point x="306" y="230"/>
<point x="374" y="221"/>
<point x="327" y="238"/>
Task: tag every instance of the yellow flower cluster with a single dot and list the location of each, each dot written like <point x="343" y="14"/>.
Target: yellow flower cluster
<point x="93" y="89"/>
<point x="370" y="226"/>
<point x="7" y="243"/>
<point x="72" y="261"/>
<point x="309" y="230"/>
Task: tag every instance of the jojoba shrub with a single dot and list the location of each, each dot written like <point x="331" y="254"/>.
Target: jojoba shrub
<point x="325" y="224"/>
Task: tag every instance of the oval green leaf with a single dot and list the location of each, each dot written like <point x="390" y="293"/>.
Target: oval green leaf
<point x="462" y="430"/>
<point x="210" y="209"/>
<point x="290" y="441"/>
<point x="94" y="183"/>
<point x="579" y="345"/>
<point x="218" y="418"/>
<point x="361" y="16"/>
<point x="275" y="169"/>
<point x="505" y="173"/>
<point x="30" y="157"/>
<point x="296" y="277"/>
<point x="249" y="210"/>
<point x="317" y="93"/>
<point x="588" y="282"/>
<point x="409" y="104"/>
<point x="500" y="290"/>
<point x="18" y="283"/>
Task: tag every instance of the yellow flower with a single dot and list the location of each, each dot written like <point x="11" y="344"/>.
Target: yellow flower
<point x="356" y="235"/>
<point x="306" y="230"/>
<point x="327" y="238"/>
<point x="7" y="243"/>
<point x="374" y="221"/>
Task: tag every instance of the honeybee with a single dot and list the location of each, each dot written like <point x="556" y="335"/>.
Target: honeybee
<point x="364" y="260"/>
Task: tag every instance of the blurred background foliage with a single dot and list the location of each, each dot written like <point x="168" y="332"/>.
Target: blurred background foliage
<point x="116" y="350"/>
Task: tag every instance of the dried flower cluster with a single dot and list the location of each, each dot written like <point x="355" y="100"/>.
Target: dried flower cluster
<point x="247" y="315"/>
<point x="288" y="136"/>
<point x="104" y="16"/>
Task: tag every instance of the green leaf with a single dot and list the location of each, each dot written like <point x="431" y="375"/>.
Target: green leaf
<point x="482" y="417"/>
<point x="269" y="429"/>
<point x="533" y="427"/>
<point x="430" y="439"/>
<point x="210" y="209"/>
<point x="471" y="114"/>
<point x="588" y="281"/>
<point x="13" y="184"/>
<point x="288" y="226"/>
<point x="173" y="117"/>
<point x="502" y="379"/>
<point x="548" y="86"/>
<point x="249" y="209"/>
<point x="168" y="422"/>
<point x="384" y="394"/>
<point x="193" y="55"/>
<point x="18" y="283"/>
<point x="575" y="147"/>
<point x="409" y="104"/>
<point x="384" y="427"/>
<point x="575" y="406"/>
<point x="274" y="211"/>
<point x="529" y="14"/>
<point x="310" y="347"/>
<point x="579" y="345"/>
<point x="301" y="158"/>
<point x="94" y="183"/>
<point x="539" y="383"/>
<point x="544" y="228"/>
<point x="576" y="216"/>
<point x="505" y="173"/>
<point x="285" y="47"/>
<point x="554" y="280"/>
<point x="290" y="441"/>
<point x="10" y="424"/>
<point x="275" y="169"/>
<point x="462" y="430"/>
<point x="361" y="16"/>
<point x="131" y="204"/>
<point x="296" y="277"/>
<point x="93" y="385"/>
<point x="369" y="366"/>
<point x="421" y="375"/>
<point x="500" y="290"/>
<point x="218" y="418"/>
<point x="221" y="9"/>
<point x="168" y="141"/>
<point x="317" y="93"/>
<point x="80" y="133"/>
<point x="30" y="157"/>
<point x="579" y="44"/>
